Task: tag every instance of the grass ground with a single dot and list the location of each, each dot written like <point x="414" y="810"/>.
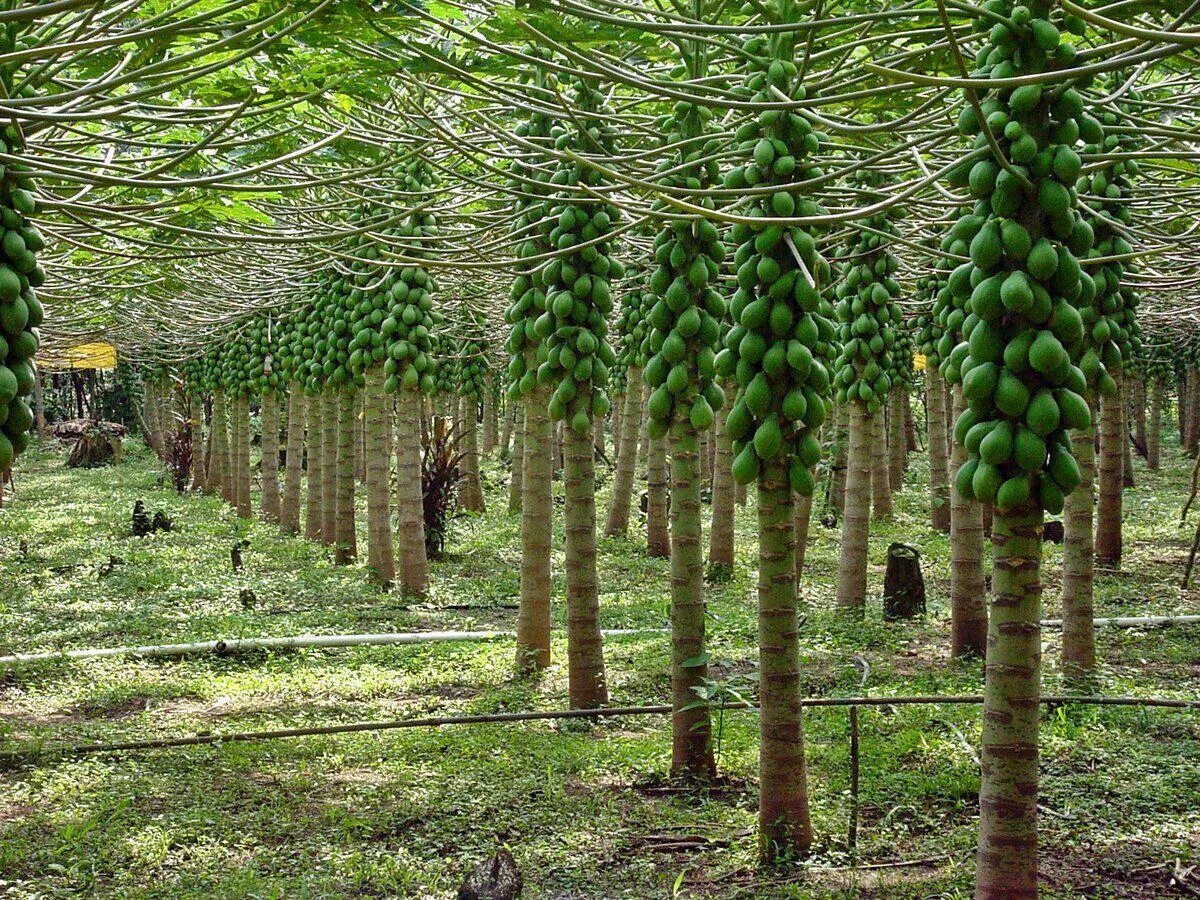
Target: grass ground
<point x="585" y="809"/>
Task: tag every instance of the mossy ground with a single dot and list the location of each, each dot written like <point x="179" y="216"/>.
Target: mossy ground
<point x="585" y="809"/>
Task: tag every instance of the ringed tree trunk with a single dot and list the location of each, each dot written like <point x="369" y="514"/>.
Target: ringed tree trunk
<point x="242" y="413"/>
<point x="378" y="410"/>
<point x="939" y="484"/>
<point x="1136" y="408"/>
<point x="852" y="563"/>
<point x="329" y="470"/>
<point x="289" y="513"/>
<point x="691" y="725"/>
<point x="471" y="496"/>
<point x="506" y="431"/>
<point x="195" y="417"/>
<point x="1007" y="865"/>
<point x="1078" y="593"/>
<point x="897" y="439"/>
<point x="619" y="399"/>
<point x="803" y="506"/>
<point x="1127" y="445"/>
<point x="1108" y="507"/>
<point x="537" y="509"/>
<point x="1154" y="426"/>
<point x="516" y="460"/>
<point x="720" y="541"/>
<point x="968" y="609"/>
<point x="211" y="456"/>
<point x="314" y="510"/>
<point x="410" y="510"/>
<point x="622" y="492"/>
<point x="1193" y="411"/>
<point x="598" y="435"/>
<point x="841" y="438"/>
<point x="881" y="489"/>
<point x="784" y="825"/>
<point x="489" y="416"/>
<point x="270" y="457"/>
<point x="214" y="477"/>
<point x="658" y="541"/>
<point x="346" y="544"/>
<point x="587" y="684"/>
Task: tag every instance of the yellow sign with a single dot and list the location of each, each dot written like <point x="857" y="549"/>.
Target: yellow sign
<point x="94" y="355"/>
<point x="918" y="362"/>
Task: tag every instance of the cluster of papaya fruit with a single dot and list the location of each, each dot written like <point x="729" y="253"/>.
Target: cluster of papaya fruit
<point x="782" y="328"/>
<point x="1016" y="301"/>
<point x="20" y="309"/>
<point x="471" y="364"/>
<point x="633" y="324"/>
<point x="1111" y="317"/>
<point x="578" y="296"/>
<point x="929" y="287"/>
<point x="685" y="328"/>
<point x="867" y="314"/>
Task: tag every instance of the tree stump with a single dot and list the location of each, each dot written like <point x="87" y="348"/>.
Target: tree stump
<point x="497" y="878"/>
<point x="141" y="523"/>
<point x="903" y="583"/>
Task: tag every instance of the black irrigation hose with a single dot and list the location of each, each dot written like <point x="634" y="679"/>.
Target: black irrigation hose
<point x="10" y="758"/>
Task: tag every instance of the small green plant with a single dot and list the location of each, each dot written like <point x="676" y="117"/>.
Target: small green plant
<point x="717" y="693"/>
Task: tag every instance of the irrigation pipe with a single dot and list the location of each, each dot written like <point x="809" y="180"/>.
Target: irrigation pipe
<point x="1132" y="621"/>
<point x="28" y="754"/>
<point x="323" y="641"/>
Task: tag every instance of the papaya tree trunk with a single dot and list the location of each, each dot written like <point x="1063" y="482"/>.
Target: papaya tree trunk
<point x="691" y="726"/>
<point x="1136" y="408"/>
<point x="968" y="606"/>
<point x="489" y="417"/>
<point x="346" y="544"/>
<point x="195" y="415"/>
<point x="471" y="495"/>
<point x="897" y="440"/>
<point x="211" y="457"/>
<point x="618" y="419"/>
<point x="1007" y="866"/>
<point x="379" y="439"/>
<point x="506" y="431"/>
<point x="720" y="540"/>
<point x="1154" y="426"/>
<point x="1109" y="483"/>
<point x="852" y="563"/>
<point x="516" y="460"/>
<point x="622" y="492"/>
<point x="1078" y="630"/>
<point x="1193" y="412"/>
<point x="410" y="510"/>
<point x="881" y="489"/>
<point x="219" y="438"/>
<point x="785" y="828"/>
<point x="587" y="684"/>
<point x="658" y="541"/>
<point x="270" y="457"/>
<point x="1126" y="442"/>
<point x="242" y="411"/>
<point x="314" y="509"/>
<point x="329" y="469"/>
<point x="803" y="507"/>
<point x="293" y="452"/>
<point x="598" y="435"/>
<point x="537" y="508"/>
<point x="841" y="441"/>
<point x="939" y="485"/>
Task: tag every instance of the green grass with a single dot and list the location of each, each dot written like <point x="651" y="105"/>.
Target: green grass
<point x="407" y="813"/>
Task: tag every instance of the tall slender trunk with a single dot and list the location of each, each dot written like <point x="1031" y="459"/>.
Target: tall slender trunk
<point x="587" y="685"/>
<point x="39" y="405"/>
<point x="803" y="507"/>
<point x="618" y="422"/>
<point x="153" y="423"/>
<point x="1008" y="853"/>
<point x="289" y="513"/>
<point x="658" y="540"/>
<point x="360" y="436"/>
<point x="410" y="510"/>
<point x="471" y="495"/>
<point x="691" y="726"/>
<point x="598" y="435"/>
<point x="537" y="510"/>
<point x="968" y="606"/>
<point x="314" y="508"/>
<point x="910" y="430"/>
<point x="195" y="417"/>
<point x="881" y="488"/>
<point x="516" y="459"/>
<point x="622" y="492"/>
<point x="1078" y="630"/>
<point x="897" y="440"/>
<point x="219" y="440"/>
<point x="211" y="456"/>
<point x="1109" y="485"/>
<point x="841" y="440"/>
<point x="784" y="825"/>
<point x="1193" y="412"/>
<point x="720" y="541"/>
<point x="852" y="564"/>
<point x="506" y="432"/>
<point x="270" y="457"/>
<point x="1135" y="407"/>
<point x="1126" y="442"/>
<point x="489" y="417"/>
<point x="379" y="439"/>
<point x="346" y="546"/>
<point x="939" y="484"/>
<point x="330" y="408"/>
<point x="1154" y="426"/>
<point x="242" y="412"/>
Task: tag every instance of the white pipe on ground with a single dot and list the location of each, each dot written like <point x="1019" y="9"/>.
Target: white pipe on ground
<point x="1132" y="621"/>
<point x="322" y="641"/>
